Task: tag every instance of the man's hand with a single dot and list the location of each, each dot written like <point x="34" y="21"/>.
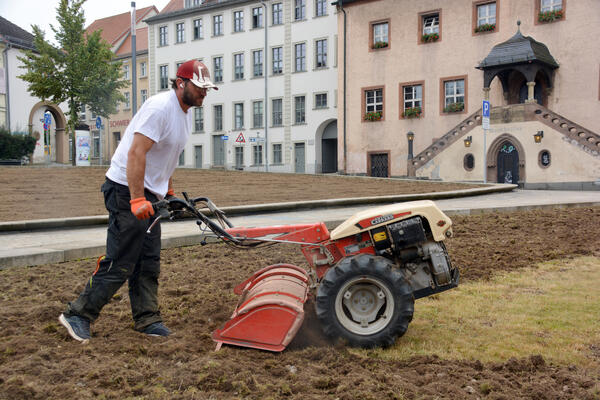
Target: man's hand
<point x="171" y="196"/>
<point x="141" y="208"/>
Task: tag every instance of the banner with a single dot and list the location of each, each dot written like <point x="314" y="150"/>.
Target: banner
<point x="83" y="143"/>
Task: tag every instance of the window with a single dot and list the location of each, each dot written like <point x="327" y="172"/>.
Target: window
<point x="486" y="14"/>
<point x="544" y="158"/>
<point x="257" y="56"/>
<point x="300" y="10"/>
<point x="277" y="112"/>
<point x="300" y="109"/>
<point x="550" y="5"/>
<point x="198" y="33"/>
<point x="257" y="17"/>
<point x="218" y="69"/>
<point x="198" y="119"/>
<point x="162" y="36"/>
<point x="321" y="53"/>
<point x="180" y="32"/>
<point x="277" y="156"/>
<point x="192" y="3"/>
<point x="469" y="162"/>
<point x="412" y="99"/>
<point x="373" y="103"/>
<point x="380" y="32"/>
<point x="431" y="24"/>
<point x="127" y="101"/>
<point x="321" y="100"/>
<point x="238" y="122"/>
<point x="96" y="140"/>
<point x="238" y="69"/>
<point x="218" y="117"/>
<point x="300" y="57"/>
<point x="453" y="95"/>
<point x="238" y="21"/>
<point x="239" y="157"/>
<point x="217" y="25"/>
<point x="320" y="8"/>
<point x="257" y="120"/>
<point x="164" y="76"/>
<point x="277" y="60"/>
<point x="182" y="158"/>
<point x="143" y="95"/>
<point x="277" y="14"/>
<point x="257" y="154"/>
<point x="143" y="70"/>
<point x="126" y="71"/>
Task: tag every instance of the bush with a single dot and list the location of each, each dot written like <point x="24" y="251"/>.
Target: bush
<point x="380" y="45"/>
<point x="430" y="37"/>
<point x="485" y="28"/>
<point x="454" y="107"/>
<point x="373" y="116"/>
<point x="550" y="16"/>
<point x="15" y="146"/>
<point x="412" y="112"/>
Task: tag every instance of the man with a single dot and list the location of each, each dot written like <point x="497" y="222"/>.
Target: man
<point x="139" y="175"/>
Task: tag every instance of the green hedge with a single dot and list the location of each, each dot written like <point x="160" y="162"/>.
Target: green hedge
<point x="15" y="146"/>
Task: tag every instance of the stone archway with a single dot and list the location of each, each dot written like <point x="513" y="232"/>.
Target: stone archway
<point x="62" y="140"/>
<point x="497" y="155"/>
<point x="326" y="147"/>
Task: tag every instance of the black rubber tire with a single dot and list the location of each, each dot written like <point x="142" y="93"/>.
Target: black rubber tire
<point x="368" y="267"/>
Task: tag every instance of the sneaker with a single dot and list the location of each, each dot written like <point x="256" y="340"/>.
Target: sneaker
<point x="156" y="329"/>
<point x="78" y="327"/>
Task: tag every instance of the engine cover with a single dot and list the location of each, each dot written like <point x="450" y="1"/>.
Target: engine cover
<point x="408" y="232"/>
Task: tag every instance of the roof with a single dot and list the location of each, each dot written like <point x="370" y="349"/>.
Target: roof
<point x="114" y="27"/>
<point x="15" y="35"/>
<point x="141" y="43"/>
<point x="176" y="8"/>
<point x="516" y="50"/>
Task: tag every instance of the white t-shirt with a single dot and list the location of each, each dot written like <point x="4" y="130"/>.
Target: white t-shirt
<point x="161" y="119"/>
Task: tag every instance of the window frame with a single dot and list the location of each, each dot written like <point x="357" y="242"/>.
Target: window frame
<point x="143" y="96"/>
<point x="302" y="110"/>
<point x="238" y="21"/>
<point x="218" y="72"/>
<point x="238" y="119"/>
<point x="163" y="36"/>
<point x="162" y="67"/>
<point x="198" y="119"/>
<point x="273" y="153"/>
<point x="279" y="13"/>
<point x="402" y="105"/>
<point x="217" y="21"/>
<point x="323" y="4"/>
<point x="259" y="65"/>
<point x="324" y="55"/>
<point x="316" y="102"/>
<point x="237" y="75"/>
<point x="372" y="37"/>
<point x="302" y="57"/>
<point x="443" y="94"/>
<point x="421" y="21"/>
<point x="260" y="23"/>
<point x="261" y="115"/>
<point x="143" y="69"/>
<point x="364" y="111"/>
<point x="198" y="26"/>
<point x="257" y="152"/>
<point x="475" y="20"/>
<point x="179" y="33"/>
<point x="299" y="5"/>
<point x="126" y="72"/>
<point x="217" y="117"/>
<point x="278" y="60"/>
<point x="127" y="102"/>
<point x="538" y="9"/>
<point x="278" y="112"/>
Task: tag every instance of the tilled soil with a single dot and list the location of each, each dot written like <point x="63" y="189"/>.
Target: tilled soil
<point x="39" y="361"/>
<point x="57" y="192"/>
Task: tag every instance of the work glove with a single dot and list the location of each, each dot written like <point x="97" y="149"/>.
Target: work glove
<point x="141" y="208"/>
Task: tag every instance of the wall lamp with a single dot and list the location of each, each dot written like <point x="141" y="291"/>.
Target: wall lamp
<point x="468" y="140"/>
<point x="411" y="137"/>
<point x="537" y="137"/>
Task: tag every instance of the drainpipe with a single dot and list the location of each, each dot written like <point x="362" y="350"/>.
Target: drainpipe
<point x="344" y="107"/>
<point x="265" y="71"/>
<point x="6" y="76"/>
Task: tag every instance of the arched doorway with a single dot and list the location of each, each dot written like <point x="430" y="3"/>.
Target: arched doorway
<point x="61" y="141"/>
<point x="507" y="160"/>
<point x="329" y="148"/>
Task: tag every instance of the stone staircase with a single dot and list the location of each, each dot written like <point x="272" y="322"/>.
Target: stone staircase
<point x="575" y="134"/>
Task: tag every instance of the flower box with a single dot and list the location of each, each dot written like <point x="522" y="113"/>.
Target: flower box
<point x="454" y="107"/>
<point x="485" y="28"/>
<point x="373" y="116"/>
<point x="551" y="16"/>
<point x="380" y="45"/>
<point x="412" y="112"/>
<point x="430" y="37"/>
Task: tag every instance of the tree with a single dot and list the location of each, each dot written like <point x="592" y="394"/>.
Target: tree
<point x="79" y="71"/>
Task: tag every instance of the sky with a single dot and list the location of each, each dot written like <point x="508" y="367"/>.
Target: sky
<point x="25" y="13"/>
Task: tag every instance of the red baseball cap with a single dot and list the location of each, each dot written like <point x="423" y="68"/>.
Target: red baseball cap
<point x="197" y="73"/>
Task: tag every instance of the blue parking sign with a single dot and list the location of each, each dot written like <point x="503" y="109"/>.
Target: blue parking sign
<point x="47" y="119"/>
<point x="98" y="122"/>
<point x="486" y="108"/>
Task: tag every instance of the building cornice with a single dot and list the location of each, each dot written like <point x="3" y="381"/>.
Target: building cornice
<point x="221" y="4"/>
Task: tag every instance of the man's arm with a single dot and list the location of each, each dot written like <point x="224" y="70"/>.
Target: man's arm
<point x="136" y="164"/>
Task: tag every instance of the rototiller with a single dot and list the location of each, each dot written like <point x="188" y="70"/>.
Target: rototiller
<point x="366" y="273"/>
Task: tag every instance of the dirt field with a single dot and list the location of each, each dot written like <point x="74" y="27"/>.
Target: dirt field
<point x="54" y="192"/>
<point x="39" y="361"/>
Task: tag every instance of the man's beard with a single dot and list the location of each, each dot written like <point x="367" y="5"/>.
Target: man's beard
<point x="188" y="98"/>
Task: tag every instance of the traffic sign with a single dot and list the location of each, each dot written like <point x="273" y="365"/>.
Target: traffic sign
<point x="485" y="113"/>
<point x="98" y="122"/>
<point x="240" y="138"/>
<point x="224" y="137"/>
<point x="253" y="139"/>
<point x="47" y="119"/>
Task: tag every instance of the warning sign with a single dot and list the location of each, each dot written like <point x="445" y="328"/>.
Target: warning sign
<point x="240" y="138"/>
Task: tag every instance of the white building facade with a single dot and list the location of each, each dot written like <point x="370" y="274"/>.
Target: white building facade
<point x="293" y="128"/>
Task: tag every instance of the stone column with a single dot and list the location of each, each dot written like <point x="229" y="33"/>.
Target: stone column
<point x="486" y="93"/>
<point x="530" y="92"/>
